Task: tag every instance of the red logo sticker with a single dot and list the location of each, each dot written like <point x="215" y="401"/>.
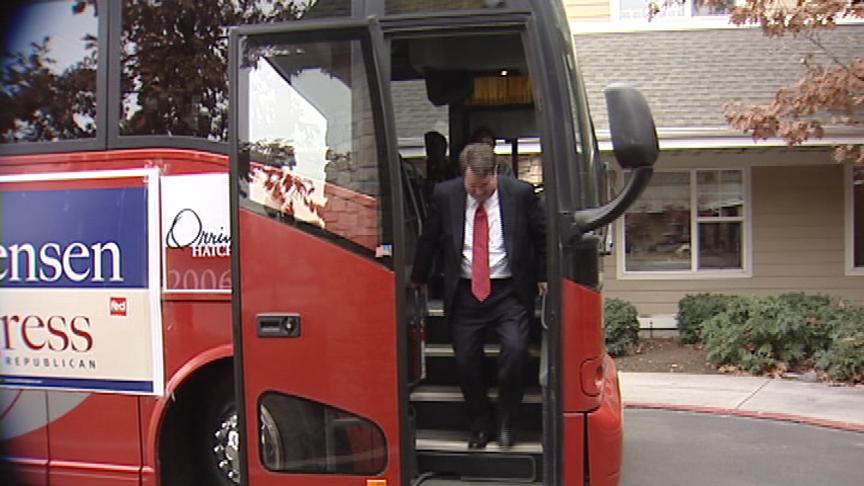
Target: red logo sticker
<point x="117" y="306"/>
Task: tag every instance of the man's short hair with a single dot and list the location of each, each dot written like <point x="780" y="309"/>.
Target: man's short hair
<point x="480" y="157"/>
<point x="483" y="135"/>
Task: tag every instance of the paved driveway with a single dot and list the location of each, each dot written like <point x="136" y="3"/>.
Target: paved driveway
<point x="667" y="448"/>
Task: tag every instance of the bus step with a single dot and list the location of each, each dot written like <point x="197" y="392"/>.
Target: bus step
<point x="444" y="480"/>
<point x="442" y="408"/>
<point x="435" y="308"/>
<point x="438" y="332"/>
<point x="446" y="453"/>
<point x="446" y="350"/>
<point x="444" y="371"/>
<point x="443" y="393"/>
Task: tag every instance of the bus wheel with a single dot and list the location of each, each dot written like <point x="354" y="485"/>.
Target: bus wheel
<point x="226" y="448"/>
<point x="223" y="463"/>
<point x="217" y="435"/>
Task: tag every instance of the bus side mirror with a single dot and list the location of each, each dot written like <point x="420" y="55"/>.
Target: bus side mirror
<point x="634" y="136"/>
<point x="634" y="140"/>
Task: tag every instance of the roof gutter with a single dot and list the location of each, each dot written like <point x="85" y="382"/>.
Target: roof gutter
<point x="701" y="138"/>
<point x="726" y="138"/>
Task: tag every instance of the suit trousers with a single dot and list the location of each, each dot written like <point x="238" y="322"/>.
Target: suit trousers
<point x="502" y="312"/>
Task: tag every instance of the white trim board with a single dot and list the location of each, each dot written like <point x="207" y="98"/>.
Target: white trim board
<point x="849" y="230"/>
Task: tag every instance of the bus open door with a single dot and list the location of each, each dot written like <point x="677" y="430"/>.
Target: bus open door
<point x="325" y="224"/>
<point x="315" y="289"/>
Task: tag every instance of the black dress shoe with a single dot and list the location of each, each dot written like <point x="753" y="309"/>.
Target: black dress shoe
<point x="478" y="440"/>
<point x="506" y="437"/>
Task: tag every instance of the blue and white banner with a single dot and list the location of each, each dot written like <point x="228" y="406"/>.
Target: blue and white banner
<point x="79" y="282"/>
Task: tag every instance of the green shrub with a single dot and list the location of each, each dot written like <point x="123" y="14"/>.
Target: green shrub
<point x="843" y="358"/>
<point x="731" y="335"/>
<point x="761" y="334"/>
<point x="621" y="327"/>
<point x="758" y="334"/>
<point x="694" y="310"/>
<point x="820" y="312"/>
<point x="806" y="303"/>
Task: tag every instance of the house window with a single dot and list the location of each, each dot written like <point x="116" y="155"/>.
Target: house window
<point x="701" y="8"/>
<point x="687" y="221"/>
<point x="638" y="9"/>
<point x="856" y="220"/>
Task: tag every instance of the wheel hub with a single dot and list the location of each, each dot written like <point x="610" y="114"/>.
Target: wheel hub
<point x="227" y="448"/>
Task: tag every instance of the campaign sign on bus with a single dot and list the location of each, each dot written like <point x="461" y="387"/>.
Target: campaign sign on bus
<point x="196" y="233"/>
<point x="79" y="282"/>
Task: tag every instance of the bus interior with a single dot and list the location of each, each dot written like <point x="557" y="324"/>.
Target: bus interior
<point x="464" y="84"/>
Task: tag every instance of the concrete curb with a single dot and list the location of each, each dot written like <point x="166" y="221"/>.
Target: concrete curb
<point x="778" y="416"/>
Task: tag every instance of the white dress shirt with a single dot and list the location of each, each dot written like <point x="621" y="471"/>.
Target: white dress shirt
<point x="499" y="267"/>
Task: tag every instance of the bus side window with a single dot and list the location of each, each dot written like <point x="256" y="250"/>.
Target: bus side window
<point x="300" y="435"/>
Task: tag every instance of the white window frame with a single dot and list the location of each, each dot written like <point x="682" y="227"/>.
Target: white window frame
<point x="615" y="15"/>
<point x="685" y="22"/>
<point x="695" y="273"/>
<point x="849" y="208"/>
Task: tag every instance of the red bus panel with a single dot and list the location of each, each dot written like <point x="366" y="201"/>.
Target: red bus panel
<point x="344" y="355"/>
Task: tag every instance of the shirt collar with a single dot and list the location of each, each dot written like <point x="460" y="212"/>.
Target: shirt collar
<point x="472" y="203"/>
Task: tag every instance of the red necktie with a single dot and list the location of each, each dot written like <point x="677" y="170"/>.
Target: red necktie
<point x="480" y="285"/>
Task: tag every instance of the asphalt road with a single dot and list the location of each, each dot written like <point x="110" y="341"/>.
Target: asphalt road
<point x="667" y="448"/>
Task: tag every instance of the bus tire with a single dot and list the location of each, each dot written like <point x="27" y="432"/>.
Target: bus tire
<point x="187" y="455"/>
<point x="216" y="437"/>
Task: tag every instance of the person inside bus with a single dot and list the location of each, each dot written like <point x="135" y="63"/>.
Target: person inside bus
<point x="485" y="135"/>
<point x="438" y="167"/>
<point x="489" y="232"/>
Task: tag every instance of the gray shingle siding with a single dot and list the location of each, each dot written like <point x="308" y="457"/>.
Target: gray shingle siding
<point x="688" y="75"/>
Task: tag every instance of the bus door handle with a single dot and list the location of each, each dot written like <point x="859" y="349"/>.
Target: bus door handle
<point x="278" y="325"/>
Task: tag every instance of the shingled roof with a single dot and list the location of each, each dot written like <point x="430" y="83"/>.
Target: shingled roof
<point x="687" y="75"/>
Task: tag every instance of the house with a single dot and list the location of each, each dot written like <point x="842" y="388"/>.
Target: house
<point x="723" y="214"/>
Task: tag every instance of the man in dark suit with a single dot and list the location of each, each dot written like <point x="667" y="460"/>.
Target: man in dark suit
<point x="489" y="232"/>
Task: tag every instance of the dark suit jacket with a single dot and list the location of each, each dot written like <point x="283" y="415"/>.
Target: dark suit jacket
<point x="524" y="230"/>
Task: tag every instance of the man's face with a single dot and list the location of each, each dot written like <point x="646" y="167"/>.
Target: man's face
<point x="480" y="187"/>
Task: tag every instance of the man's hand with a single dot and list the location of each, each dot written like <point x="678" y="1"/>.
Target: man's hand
<point x="542" y="288"/>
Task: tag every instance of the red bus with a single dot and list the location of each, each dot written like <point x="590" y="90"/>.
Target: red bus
<point x="209" y="213"/>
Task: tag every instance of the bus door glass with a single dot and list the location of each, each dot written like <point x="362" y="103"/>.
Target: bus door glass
<point x="315" y="303"/>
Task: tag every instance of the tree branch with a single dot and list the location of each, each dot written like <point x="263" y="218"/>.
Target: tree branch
<point x="813" y="37"/>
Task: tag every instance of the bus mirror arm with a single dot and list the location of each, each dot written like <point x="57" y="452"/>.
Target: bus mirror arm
<point x="634" y="140"/>
<point x="585" y="220"/>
